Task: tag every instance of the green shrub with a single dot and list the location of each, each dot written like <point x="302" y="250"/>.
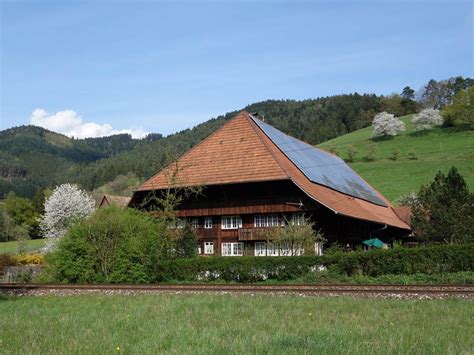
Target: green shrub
<point x="114" y="245"/>
<point x="375" y="263"/>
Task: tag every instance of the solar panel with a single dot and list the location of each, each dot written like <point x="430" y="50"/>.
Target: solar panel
<point x="321" y="167"/>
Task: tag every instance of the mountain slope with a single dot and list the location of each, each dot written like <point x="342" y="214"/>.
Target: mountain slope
<point x="32" y="158"/>
<point x="420" y="156"/>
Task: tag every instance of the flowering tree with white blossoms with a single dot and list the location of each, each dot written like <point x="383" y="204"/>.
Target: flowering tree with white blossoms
<point x="427" y="119"/>
<point x="67" y="204"/>
<point x="386" y="124"/>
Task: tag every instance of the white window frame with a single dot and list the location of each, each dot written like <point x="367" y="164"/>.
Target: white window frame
<point x="208" y="223"/>
<point x="272" y="250"/>
<point x="266" y="220"/>
<point x="232" y="249"/>
<point x="231" y="222"/>
<point x="269" y="249"/>
<point x="208" y="248"/>
<point x="318" y="248"/>
<point x="260" y="249"/>
<point x="195" y="223"/>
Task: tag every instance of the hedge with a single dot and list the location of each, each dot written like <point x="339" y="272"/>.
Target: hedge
<point x="401" y="261"/>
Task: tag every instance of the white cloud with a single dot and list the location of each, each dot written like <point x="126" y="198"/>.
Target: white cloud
<point x="68" y="122"/>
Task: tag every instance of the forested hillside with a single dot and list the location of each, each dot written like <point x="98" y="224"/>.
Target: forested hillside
<point x="32" y="158"/>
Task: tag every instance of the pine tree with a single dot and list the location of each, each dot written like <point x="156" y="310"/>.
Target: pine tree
<point x="444" y="212"/>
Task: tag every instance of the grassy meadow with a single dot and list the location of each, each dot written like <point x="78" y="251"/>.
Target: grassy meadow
<point x="12" y="247"/>
<point x="233" y="324"/>
<point x="437" y="149"/>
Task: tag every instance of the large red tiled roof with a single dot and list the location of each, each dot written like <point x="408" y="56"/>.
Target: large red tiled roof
<point x="241" y="152"/>
<point x="232" y="154"/>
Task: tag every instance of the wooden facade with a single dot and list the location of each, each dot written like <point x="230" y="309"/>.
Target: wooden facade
<point x="245" y="180"/>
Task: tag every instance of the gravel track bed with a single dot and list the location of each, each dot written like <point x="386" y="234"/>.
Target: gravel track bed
<point x="422" y="292"/>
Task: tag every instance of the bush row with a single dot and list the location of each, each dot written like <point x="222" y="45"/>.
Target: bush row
<point x="402" y="261"/>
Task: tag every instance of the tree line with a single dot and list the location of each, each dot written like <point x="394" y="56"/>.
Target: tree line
<point x="32" y="158"/>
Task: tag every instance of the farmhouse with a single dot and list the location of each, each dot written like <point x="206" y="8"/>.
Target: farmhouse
<point x="255" y="177"/>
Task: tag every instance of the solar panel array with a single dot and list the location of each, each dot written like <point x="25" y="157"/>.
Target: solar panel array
<point x="321" y="167"/>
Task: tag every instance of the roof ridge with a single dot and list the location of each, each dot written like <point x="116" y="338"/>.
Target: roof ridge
<point x="255" y="126"/>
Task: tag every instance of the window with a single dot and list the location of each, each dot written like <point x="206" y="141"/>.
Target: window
<point x="260" y="249"/>
<point x="208" y="223"/>
<point x="268" y="220"/>
<point x="195" y="223"/>
<point x="284" y="249"/>
<point x="272" y="250"/>
<point x="231" y="222"/>
<point x="232" y="249"/>
<point x="199" y="250"/>
<point x="318" y="248"/>
<point x="268" y="249"/>
<point x="208" y="248"/>
<point x="298" y="219"/>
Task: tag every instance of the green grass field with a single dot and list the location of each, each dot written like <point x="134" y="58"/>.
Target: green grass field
<point x="438" y="149"/>
<point x="12" y="247"/>
<point x="233" y="324"/>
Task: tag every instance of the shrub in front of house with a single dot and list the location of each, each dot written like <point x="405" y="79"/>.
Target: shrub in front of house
<point x="112" y="246"/>
<point x="402" y="261"/>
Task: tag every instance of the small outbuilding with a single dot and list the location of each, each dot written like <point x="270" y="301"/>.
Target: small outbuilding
<point x="114" y="200"/>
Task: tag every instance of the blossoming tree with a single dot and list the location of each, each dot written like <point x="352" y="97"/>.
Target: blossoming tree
<point x="386" y="124"/>
<point x="427" y="119"/>
<point x="67" y="204"/>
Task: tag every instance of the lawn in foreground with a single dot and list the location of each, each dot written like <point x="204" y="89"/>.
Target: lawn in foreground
<point x="226" y="323"/>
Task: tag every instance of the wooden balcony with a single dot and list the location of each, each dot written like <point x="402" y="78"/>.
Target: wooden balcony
<point x="250" y="234"/>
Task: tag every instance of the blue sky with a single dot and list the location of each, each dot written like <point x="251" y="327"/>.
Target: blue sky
<point x="152" y="66"/>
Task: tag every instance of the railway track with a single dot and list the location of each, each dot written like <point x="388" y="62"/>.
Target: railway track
<point x="408" y="291"/>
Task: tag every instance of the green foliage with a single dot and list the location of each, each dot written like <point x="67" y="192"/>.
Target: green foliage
<point x="122" y="185"/>
<point x="462" y="108"/>
<point x="295" y="237"/>
<point x="444" y="212"/>
<point x="437" y="94"/>
<point x="394" y="155"/>
<point x="114" y="245"/>
<point x="24" y="215"/>
<point x="351" y="153"/>
<point x="400" y="261"/>
<point x="186" y="242"/>
<point x="32" y="158"/>
<point x="371" y="151"/>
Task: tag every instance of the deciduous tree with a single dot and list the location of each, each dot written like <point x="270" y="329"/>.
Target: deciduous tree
<point x="67" y="204"/>
<point x="462" y="109"/>
<point x="386" y="124"/>
<point x="427" y="119"/>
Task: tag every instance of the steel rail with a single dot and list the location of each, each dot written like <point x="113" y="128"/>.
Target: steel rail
<point x="252" y="288"/>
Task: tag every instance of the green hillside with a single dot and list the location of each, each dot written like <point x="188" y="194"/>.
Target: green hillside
<point x="420" y="156"/>
<point x="32" y="158"/>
